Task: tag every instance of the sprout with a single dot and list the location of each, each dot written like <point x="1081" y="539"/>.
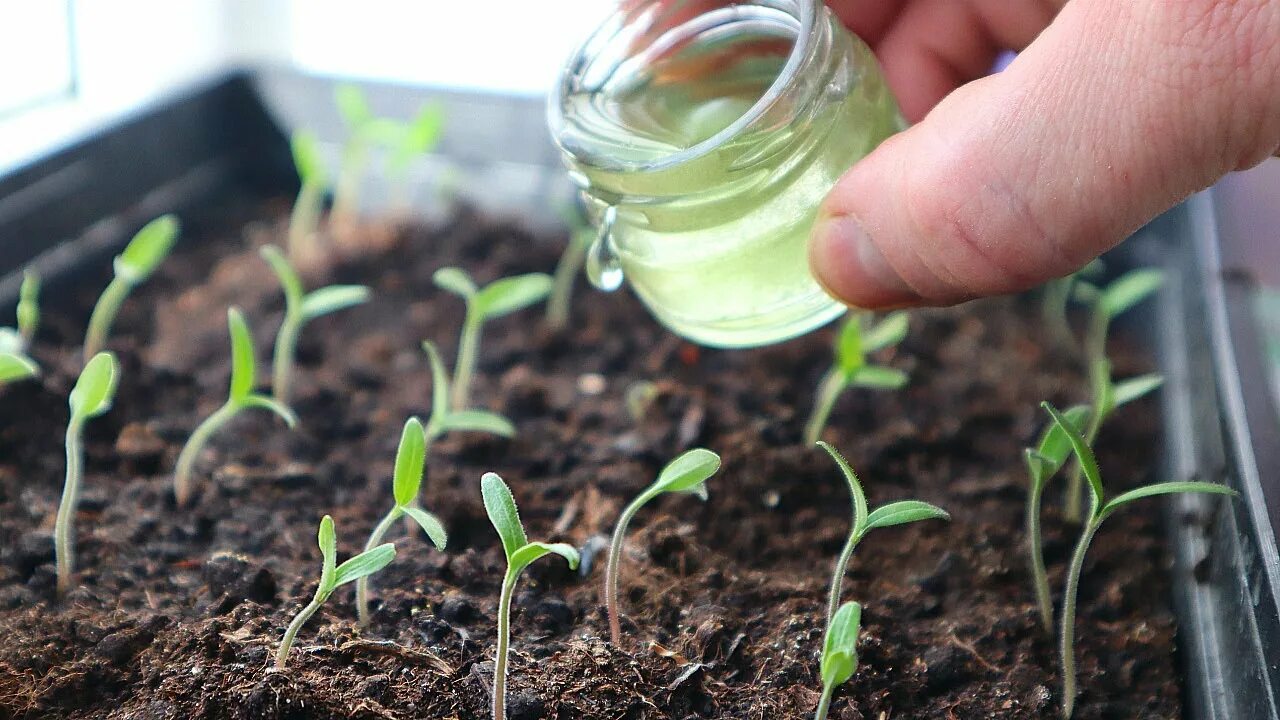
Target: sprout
<point x="851" y="368"/>
<point x="299" y="309"/>
<point x="1099" y="510"/>
<point x="91" y="397"/>
<point x="1053" y="303"/>
<point x="839" y="653"/>
<point x="28" y="308"/>
<point x="411" y="458"/>
<point x="331" y="578"/>
<point x="1043" y="463"/>
<point x="240" y="397"/>
<point x="498" y="298"/>
<point x="14" y="366"/>
<point x="501" y="508"/>
<point x="406" y="141"/>
<point x="895" y="513"/>
<point x="686" y="474"/>
<point x="361" y="125"/>
<point x="139" y="260"/>
<point x="15" y="363"/>
<point x="304" y="220"/>
<point x="581" y="235"/>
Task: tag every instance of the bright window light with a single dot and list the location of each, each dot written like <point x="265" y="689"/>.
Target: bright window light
<point x="35" y="46"/>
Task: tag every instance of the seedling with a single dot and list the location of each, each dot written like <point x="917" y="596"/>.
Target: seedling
<point x="331" y="578"/>
<point x="407" y="141"/>
<point x="28" y="308"/>
<point x="140" y="258"/>
<point x="304" y="220"/>
<point x="894" y="513"/>
<point x="501" y="508"/>
<point x="1043" y="462"/>
<point x="411" y="459"/>
<point x="498" y="298"/>
<point x="688" y="473"/>
<point x="1099" y="510"/>
<point x="240" y="397"/>
<point x="839" y="653"/>
<point x="15" y="363"/>
<point x="581" y="235"/>
<point x="91" y="397"/>
<point x="300" y="308"/>
<point x="1053" y="303"/>
<point x="445" y="419"/>
<point x="361" y="128"/>
<point x="851" y="368"/>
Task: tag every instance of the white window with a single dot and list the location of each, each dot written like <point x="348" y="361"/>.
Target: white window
<point x="35" y="52"/>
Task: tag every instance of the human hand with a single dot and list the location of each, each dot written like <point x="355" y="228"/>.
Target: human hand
<point x="1113" y="113"/>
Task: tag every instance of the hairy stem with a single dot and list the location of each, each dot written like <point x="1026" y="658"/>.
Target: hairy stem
<point x="837" y="578"/>
<point x="504" y="640"/>
<point x="375" y="539"/>
<point x="828" y="392"/>
<point x="286" y="643"/>
<point x="1035" y="549"/>
<point x="182" y="479"/>
<point x="575" y="253"/>
<point x="64" y="530"/>
<point x="104" y="314"/>
<point x="1066" y="648"/>
<point x="468" y="347"/>
<point x="825" y="703"/>
<point x="282" y="358"/>
<point x="304" y="220"/>
<point x="613" y="570"/>
<point x="1075" y="488"/>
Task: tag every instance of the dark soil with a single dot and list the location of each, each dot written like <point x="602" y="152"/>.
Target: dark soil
<point x="178" y="612"/>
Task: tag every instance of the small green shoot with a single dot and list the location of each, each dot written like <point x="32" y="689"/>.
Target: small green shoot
<point x="501" y="508"/>
<point x="1056" y="294"/>
<point x="688" y="473"/>
<point x="839" y="653"/>
<point x="28" y="308"/>
<point x="411" y="458"/>
<point x="498" y="298"/>
<point x="851" y="369"/>
<point x="864" y="521"/>
<point x="91" y="397"/>
<point x="1099" y="510"/>
<point x="14" y="366"/>
<point x="15" y="363"/>
<point x="331" y="578"/>
<point x="301" y="307"/>
<point x="361" y="128"/>
<point x="446" y="419"/>
<point x="304" y="220"/>
<point x="240" y="397"/>
<point x="140" y="258"/>
<point x="405" y="142"/>
<point x="1043" y="462"/>
<point x="581" y="235"/>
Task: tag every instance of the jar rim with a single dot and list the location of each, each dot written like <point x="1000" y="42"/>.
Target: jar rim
<point x="807" y="15"/>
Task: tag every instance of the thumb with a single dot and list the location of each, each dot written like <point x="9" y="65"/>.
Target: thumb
<point x="1115" y="113"/>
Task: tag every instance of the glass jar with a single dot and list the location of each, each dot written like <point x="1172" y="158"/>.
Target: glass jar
<point x="703" y="135"/>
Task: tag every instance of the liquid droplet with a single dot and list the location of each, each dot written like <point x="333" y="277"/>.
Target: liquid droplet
<point x="604" y="267"/>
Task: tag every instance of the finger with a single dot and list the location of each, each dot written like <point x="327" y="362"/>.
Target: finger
<point x="1116" y="112"/>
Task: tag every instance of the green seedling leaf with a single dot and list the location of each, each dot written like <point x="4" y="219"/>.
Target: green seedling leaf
<point x="688" y="473"/>
<point x="352" y="105"/>
<point x="243" y="364"/>
<point x="16" y="367"/>
<point x="456" y="281"/>
<point x="850" y="355"/>
<point x="327" y="539"/>
<point x="889" y="331"/>
<point x="289" y="280"/>
<point x="1088" y="463"/>
<point x="364" y="564"/>
<point x="1126" y="391"/>
<point x="1168" y="488"/>
<point x="903" y="512"/>
<point x="425" y="130"/>
<point x="96" y="387"/>
<point x="505" y="296"/>
<point x="307" y="158"/>
<point x="332" y="299"/>
<point x="840" y="648"/>
<point x="530" y="552"/>
<point x="477" y="421"/>
<point x="439" y="383"/>
<point x="855" y="487"/>
<point x="411" y="460"/>
<point x="430" y="525"/>
<point x="28" y="306"/>
<point x="501" y="508"/>
<point x="879" y="377"/>
<point x="1130" y="289"/>
<point x="147" y="249"/>
<point x="1055" y="446"/>
<point x="265" y="403"/>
